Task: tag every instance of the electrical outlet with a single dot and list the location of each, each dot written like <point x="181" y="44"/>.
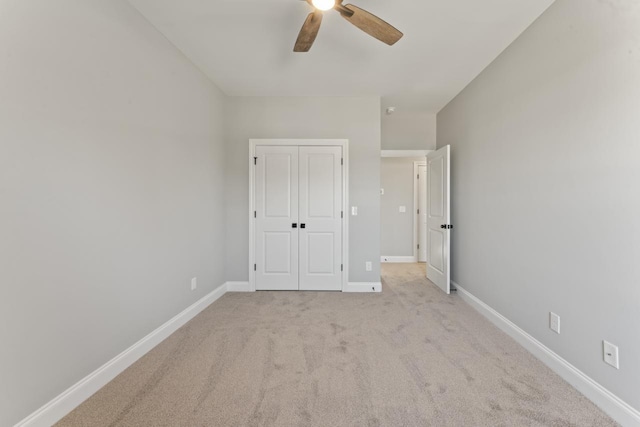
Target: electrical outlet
<point x="194" y="283"/>
<point x="611" y="354"/>
<point x="402" y="209"/>
<point x="368" y="266"/>
<point x="554" y="322"/>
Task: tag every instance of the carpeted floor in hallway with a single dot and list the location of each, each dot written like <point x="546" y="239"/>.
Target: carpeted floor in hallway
<point x="410" y="356"/>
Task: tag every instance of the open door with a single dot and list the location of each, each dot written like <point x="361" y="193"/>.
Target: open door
<point x="438" y="218"/>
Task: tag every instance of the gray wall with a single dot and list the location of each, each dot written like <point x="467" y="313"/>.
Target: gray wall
<point x="356" y="119"/>
<point x="111" y="184"/>
<point x="408" y="130"/>
<point x="396" y="228"/>
<point x="545" y="172"/>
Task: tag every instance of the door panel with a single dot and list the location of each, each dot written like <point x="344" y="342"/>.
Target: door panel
<point x="277" y="185"/>
<point x="277" y="252"/>
<point x="320" y="253"/>
<point x="436" y="189"/>
<point x="438" y="215"/>
<point x="321" y="174"/>
<point x="436" y="259"/>
<point x="276" y="200"/>
<point x="422" y="216"/>
<point x="320" y="209"/>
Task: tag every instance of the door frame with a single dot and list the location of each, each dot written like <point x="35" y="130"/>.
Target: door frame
<point x="416" y="217"/>
<point x="344" y="143"/>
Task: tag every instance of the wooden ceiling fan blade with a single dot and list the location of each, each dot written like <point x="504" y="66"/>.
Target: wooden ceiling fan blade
<point x="371" y="24"/>
<point x="308" y="32"/>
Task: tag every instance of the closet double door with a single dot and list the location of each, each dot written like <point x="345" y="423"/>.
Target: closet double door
<point x="298" y="218"/>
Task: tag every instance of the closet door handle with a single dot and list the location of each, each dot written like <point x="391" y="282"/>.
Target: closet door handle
<point x="294" y="225"/>
<point x="303" y="225"/>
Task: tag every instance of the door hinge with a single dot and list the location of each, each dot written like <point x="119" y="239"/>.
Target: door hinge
<point x="418" y="211"/>
<point x="341" y="267"/>
<point x="255" y="160"/>
<point x="255" y="267"/>
<point x="418" y="176"/>
<point x="341" y="214"/>
<point x="255" y="214"/>
<point x="342" y="162"/>
<point x="418" y="246"/>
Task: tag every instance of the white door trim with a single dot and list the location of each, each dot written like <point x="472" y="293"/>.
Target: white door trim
<point x="344" y="143"/>
<point x="416" y="217"/>
<point x="405" y="153"/>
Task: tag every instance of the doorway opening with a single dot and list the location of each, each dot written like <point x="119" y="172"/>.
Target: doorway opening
<point x="403" y="201"/>
<point x="417" y="230"/>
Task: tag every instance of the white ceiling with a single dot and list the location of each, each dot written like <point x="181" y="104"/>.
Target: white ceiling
<point x="246" y="46"/>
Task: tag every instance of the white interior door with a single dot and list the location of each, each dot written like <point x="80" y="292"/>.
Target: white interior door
<point x="298" y="218"/>
<point x="422" y="213"/>
<point x="276" y="202"/>
<point x="320" y="209"/>
<point x="438" y="218"/>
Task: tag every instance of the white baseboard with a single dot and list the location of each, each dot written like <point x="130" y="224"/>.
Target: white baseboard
<point x="60" y="406"/>
<point x="239" y="287"/>
<point x="363" y="287"/>
<point x="399" y="259"/>
<point x="351" y="287"/>
<point x="617" y="409"/>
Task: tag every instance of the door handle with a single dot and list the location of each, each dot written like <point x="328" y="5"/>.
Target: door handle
<point x="303" y="225"/>
<point x="294" y="225"/>
<point x="443" y="226"/>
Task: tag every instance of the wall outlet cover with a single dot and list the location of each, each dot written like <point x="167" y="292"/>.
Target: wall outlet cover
<point x="554" y="322"/>
<point x="369" y="266"/>
<point x="611" y="354"/>
<point x="403" y="209"/>
<point x="194" y="283"/>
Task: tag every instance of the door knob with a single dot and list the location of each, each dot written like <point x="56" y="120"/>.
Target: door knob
<point x="443" y="226"/>
<point x="294" y="225"/>
<point x="303" y="225"/>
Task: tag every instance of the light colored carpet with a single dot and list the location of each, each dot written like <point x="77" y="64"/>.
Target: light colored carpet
<point x="410" y="356"/>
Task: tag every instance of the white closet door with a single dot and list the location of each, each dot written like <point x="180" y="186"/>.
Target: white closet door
<point x="276" y="200"/>
<point x="320" y="211"/>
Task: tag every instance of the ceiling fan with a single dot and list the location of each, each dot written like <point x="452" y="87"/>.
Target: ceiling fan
<point x="362" y="19"/>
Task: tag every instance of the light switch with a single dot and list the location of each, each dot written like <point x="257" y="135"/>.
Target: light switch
<point x="382" y="191"/>
<point x="354" y="210"/>
<point x="403" y="209"/>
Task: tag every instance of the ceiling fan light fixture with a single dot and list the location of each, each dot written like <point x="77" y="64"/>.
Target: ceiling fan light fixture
<point x="367" y="22"/>
<point x="323" y="4"/>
